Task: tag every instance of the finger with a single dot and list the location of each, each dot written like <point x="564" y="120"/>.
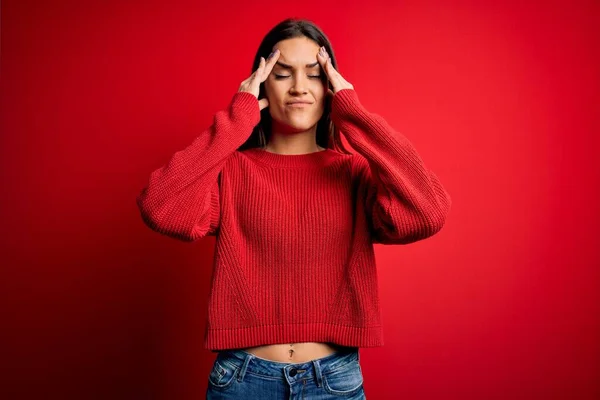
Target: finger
<point x="258" y="69"/>
<point x="261" y="65"/>
<point x="322" y="61"/>
<point x="263" y="103"/>
<point x="332" y="75"/>
<point x="271" y="63"/>
<point x="331" y="71"/>
<point x="257" y="74"/>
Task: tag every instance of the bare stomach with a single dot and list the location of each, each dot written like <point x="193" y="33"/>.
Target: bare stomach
<point x="294" y="352"/>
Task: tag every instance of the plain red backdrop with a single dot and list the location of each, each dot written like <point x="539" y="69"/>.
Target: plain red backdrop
<point x="501" y="100"/>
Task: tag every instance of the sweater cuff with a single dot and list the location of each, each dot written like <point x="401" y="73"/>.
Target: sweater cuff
<point x="245" y="108"/>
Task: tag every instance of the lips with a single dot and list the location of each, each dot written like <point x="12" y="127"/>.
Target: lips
<point x="299" y="104"/>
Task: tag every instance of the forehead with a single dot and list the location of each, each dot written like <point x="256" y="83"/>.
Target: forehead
<point x="297" y="51"/>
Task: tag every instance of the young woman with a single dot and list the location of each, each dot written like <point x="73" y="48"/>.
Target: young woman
<point x="294" y="291"/>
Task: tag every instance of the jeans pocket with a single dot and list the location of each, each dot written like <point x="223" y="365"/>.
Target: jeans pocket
<point x="222" y="374"/>
<point x="344" y="381"/>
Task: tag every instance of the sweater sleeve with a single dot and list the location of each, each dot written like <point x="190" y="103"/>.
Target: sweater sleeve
<point x="404" y="201"/>
<point x="182" y="198"/>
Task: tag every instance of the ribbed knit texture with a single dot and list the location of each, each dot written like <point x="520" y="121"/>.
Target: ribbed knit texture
<point x="294" y="259"/>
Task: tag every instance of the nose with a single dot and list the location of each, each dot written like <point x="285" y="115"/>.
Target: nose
<point x="300" y="84"/>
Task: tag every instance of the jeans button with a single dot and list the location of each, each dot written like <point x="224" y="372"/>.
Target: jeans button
<point x="293" y="372"/>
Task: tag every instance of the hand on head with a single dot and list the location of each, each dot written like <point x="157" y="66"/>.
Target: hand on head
<point x="337" y="80"/>
<point x="252" y="83"/>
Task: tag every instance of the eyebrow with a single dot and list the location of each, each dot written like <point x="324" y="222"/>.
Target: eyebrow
<point x="283" y="65"/>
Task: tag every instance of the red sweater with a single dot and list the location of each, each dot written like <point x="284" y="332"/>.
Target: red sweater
<point x="294" y="258"/>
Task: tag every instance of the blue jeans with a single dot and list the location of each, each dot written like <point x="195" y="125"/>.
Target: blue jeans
<point x="237" y="374"/>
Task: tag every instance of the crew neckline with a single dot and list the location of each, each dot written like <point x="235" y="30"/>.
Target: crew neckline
<point x="316" y="159"/>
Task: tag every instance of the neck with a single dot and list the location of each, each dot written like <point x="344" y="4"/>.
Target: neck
<point x="284" y="140"/>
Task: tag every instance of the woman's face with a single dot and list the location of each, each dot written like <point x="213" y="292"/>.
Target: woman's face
<point x="292" y="80"/>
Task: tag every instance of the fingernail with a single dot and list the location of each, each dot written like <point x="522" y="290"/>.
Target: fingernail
<point x="271" y="55"/>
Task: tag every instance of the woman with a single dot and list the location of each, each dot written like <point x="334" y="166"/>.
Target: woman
<point x="294" y="291"/>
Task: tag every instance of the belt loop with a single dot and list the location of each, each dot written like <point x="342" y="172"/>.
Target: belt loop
<point x="242" y="372"/>
<point x="318" y="375"/>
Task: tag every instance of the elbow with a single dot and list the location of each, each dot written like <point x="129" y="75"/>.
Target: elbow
<point x="141" y="205"/>
<point x="402" y="229"/>
<point x="161" y="227"/>
<point x="432" y="222"/>
<point x="432" y="219"/>
<point x="148" y="215"/>
<point x="399" y="224"/>
<point x="439" y="214"/>
<point x="435" y="224"/>
<point x="156" y="221"/>
<point x="146" y="212"/>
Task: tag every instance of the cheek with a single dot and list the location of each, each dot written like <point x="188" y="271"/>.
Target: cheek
<point x="274" y="90"/>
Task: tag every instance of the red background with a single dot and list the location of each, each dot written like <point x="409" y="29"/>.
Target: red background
<point x="502" y="102"/>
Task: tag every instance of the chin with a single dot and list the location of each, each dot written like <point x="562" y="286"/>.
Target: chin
<point x="290" y="126"/>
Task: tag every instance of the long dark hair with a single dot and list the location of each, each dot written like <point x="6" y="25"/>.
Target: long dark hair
<point x="327" y="136"/>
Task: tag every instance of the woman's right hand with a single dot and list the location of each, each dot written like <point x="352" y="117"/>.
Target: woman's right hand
<point x="252" y="84"/>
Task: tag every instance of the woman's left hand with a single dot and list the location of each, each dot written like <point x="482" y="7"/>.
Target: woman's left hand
<point x="337" y="81"/>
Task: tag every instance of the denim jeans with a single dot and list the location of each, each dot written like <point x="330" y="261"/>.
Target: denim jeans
<point x="237" y="374"/>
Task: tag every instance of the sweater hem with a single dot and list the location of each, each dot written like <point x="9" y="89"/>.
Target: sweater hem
<point x="242" y="337"/>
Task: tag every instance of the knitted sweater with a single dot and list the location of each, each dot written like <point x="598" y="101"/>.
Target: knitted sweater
<point x="294" y="259"/>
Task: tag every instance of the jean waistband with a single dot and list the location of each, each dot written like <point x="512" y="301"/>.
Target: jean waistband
<point x="249" y="363"/>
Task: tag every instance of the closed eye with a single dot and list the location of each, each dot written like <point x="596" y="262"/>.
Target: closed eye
<point x="287" y="76"/>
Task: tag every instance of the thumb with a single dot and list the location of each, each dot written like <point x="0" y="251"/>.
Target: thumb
<point x="263" y="103"/>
